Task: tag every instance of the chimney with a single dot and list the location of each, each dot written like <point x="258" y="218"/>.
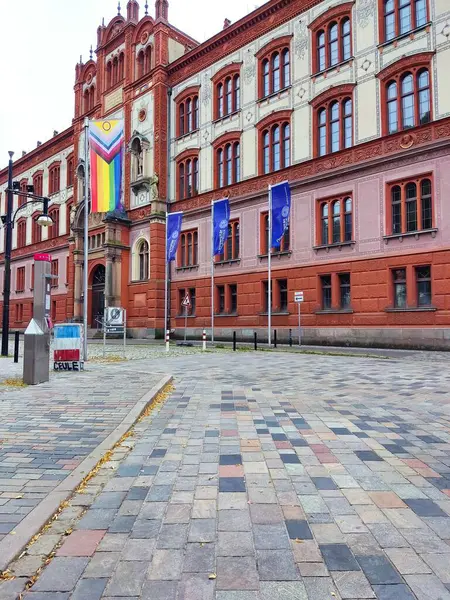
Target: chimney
<point x="55" y="133"/>
<point x="39" y="144"/>
<point x="24" y="152"/>
<point x="226" y="23"/>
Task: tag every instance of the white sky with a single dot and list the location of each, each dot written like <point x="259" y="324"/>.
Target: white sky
<point x="41" y="41"/>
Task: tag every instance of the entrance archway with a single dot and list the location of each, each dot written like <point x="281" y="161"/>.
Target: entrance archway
<point x="98" y="296"/>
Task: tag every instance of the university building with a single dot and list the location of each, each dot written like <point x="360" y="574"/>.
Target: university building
<point x="348" y="101"/>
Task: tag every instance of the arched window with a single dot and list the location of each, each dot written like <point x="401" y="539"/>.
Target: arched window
<point x="38" y="184"/>
<point x="188" y="113"/>
<point x="332" y="33"/>
<point x="188" y="252"/>
<point x="228" y="163"/>
<point x="140" y="64"/>
<point x="69" y="207"/>
<point x="187" y="177"/>
<point x="109" y="79"/>
<point x="407" y="99"/>
<point x="274" y="66"/>
<point x="231" y="245"/>
<point x="36" y="230"/>
<point x="227" y="93"/>
<point x="115" y="71"/>
<point x="54" y="228"/>
<point x="54" y="179"/>
<point x="143" y="259"/>
<point x="70" y="166"/>
<point x="411" y="206"/>
<point x="148" y="59"/>
<point x="121" y="66"/>
<point x="335" y="221"/>
<point x="402" y="16"/>
<point x="334" y="125"/>
<point x="275" y="143"/>
<point x="91" y="97"/>
<point x="21" y="233"/>
<point x="87" y="100"/>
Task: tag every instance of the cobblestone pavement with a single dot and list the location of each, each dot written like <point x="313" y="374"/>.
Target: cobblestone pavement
<point x="46" y="431"/>
<point x="268" y="476"/>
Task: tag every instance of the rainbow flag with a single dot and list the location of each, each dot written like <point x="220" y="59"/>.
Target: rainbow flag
<point x="106" y="152"/>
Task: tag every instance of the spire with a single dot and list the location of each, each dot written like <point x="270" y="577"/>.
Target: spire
<point x="91" y="53"/>
<point x="146" y="8"/>
<point x="118" y="9"/>
<point x="162" y="10"/>
<point x="133" y="11"/>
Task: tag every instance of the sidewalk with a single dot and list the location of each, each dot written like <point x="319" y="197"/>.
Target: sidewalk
<point x="53" y="434"/>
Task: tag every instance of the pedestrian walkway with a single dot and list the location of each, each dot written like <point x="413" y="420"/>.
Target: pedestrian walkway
<point x="268" y="477"/>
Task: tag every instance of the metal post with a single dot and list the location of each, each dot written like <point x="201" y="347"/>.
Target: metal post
<point x="256" y="340"/>
<point x="204" y="339"/>
<point x="234" y="341"/>
<point x="290" y="338"/>
<point x="86" y="236"/>
<point x="275" y="338"/>
<point x="269" y="261"/>
<point x="299" y="327"/>
<point x="185" y="321"/>
<point x="212" y="272"/>
<point x="16" y="347"/>
<point x="167" y="340"/>
<point x="166" y="286"/>
<point x="124" y="332"/>
<point x="8" y="246"/>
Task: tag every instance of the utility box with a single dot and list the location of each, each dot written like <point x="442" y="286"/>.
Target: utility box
<point x="36" y="359"/>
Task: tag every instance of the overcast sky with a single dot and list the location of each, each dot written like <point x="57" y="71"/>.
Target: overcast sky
<point x="41" y="41"/>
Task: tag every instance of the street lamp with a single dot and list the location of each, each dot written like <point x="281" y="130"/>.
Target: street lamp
<point x="44" y="220"/>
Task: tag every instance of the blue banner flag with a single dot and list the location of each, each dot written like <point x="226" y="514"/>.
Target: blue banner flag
<point x="221" y="218"/>
<point x="281" y="210"/>
<point x="173" y="230"/>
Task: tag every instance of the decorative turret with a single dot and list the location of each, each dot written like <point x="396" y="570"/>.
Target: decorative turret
<point x="132" y="11"/>
<point x="162" y="10"/>
<point x="226" y="23"/>
<point x="100" y="30"/>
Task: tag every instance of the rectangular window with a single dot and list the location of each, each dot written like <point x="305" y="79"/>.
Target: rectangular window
<point x="32" y="276"/>
<point x="181" y="296"/>
<point x="20" y="279"/>
<point x="19" y="313"/>
<point x="325" y="282"/>
<point x="265" y="290"/>
<point x="233" y="298"/>
<point x="423" y="281"/>
<point x="344" y="286"/>
<point x="221" y="299"/>
<point x="55" y="271"/>
<point x="283" y="294"/>
<point x="231" y="246"/>
<point x="188" y="249"/>
<point x="193" y="302"/>
<point x="399" y="279"/>
<point x="53" y="311"/>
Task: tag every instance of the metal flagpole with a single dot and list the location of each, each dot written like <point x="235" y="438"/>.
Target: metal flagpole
<point x="212" y="271"/>
<point x="269" y="261"/>
<point x="86" y="225"/>
<point x="166" y="295"/>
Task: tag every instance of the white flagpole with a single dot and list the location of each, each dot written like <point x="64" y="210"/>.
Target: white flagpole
<point x="166" y="295"/>
<point x="269" y="262"/>
<point x="86" y="236"/>
<point x="212" y="271"/>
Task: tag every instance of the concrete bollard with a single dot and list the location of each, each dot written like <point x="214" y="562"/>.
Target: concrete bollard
<point x="204" y="339"/>
<point x="167" y="341"/>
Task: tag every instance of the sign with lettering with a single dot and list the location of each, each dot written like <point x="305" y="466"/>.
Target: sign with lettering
<point x="298" y="297"/>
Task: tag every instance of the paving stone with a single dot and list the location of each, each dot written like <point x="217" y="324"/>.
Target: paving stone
<point x="237" y="573"/>
<point x="352" y="584"/>
<point x="81" y="543"/>
<point x="265" y="514"/>
<point x="61" y="575"/>
<point x="89" y="589"/>
<point x="127" y="579"/>
<point x="270" y="537"/>
<point x="378" y="570"/>
<point x="43" y="596"/>
<point x="235" y="543"/>
<point x="202" y="530"/>
<point x="199" y="558"/>
<point x="234" y="520"/>
<point x="99" y="518"/>
<point x="195" y="587"/>
<point x="393" y="592"/>
<point x="338" y="557"/>
<point x="145" y="529"/>
<point x="320" y="588"/>
<point x="166" y="565"/>
<point x="235" y="595"/>
<point x="172" y="536"/>
<point x="313" y="569"/>
<point x="10" y="588"/>
<point x="425" y="508"/>
<point x="427" y="587"/>
<point x="439" y="563"/>
<point x="138" y="550"/>
<point x="159" y="590"/>
<point x="102" y="564"/>
<point x="44" y="544"/>
<point x="407" y="562"/>
<point x="276" y="565"/>
<point x="285" y="590"/>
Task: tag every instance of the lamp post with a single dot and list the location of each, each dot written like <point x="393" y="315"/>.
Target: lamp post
<point x="44" y="220"/>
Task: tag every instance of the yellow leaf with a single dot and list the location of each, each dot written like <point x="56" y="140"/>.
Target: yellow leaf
<point x="212" y="576"/>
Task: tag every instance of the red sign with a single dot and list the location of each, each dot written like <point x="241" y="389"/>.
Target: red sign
<point x="43" y="257"/>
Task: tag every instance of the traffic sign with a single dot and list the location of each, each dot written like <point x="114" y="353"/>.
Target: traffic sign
<point x="298" y="297"/>
<point x="186" y="301"/>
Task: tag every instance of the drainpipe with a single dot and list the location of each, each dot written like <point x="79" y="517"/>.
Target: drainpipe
<point x="169" y="185"/>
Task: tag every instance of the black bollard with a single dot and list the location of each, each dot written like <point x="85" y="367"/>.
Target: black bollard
<point x="290" y="338"/>
<point x="275" y="338"/>
<point x="256" y="340"/>
<point x="234" y="341"/>
<point x="16" y="347"/>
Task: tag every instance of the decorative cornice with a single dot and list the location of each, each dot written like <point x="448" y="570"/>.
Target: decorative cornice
<point x="334" y="92"/>
<point x="275" y="117"/>
<point x="275" y="44"/>
<point x="231" y="69"/>
<point x="421" y="59"/>
<point x="188" y="153"/>
<point x="225" y="138"/>
<point x="332" y="13"/>
<point x="189" y="91"/>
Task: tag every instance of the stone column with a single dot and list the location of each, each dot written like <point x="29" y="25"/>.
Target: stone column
<point x="109" y="278"/>
<point x="78" y="287"/>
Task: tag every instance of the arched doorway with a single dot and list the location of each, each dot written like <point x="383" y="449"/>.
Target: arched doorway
<point x="98" y="296"/>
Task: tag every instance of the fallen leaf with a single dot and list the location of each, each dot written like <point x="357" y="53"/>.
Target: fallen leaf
<point x="212" y="576"/>
<point x="20" y="496"/>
